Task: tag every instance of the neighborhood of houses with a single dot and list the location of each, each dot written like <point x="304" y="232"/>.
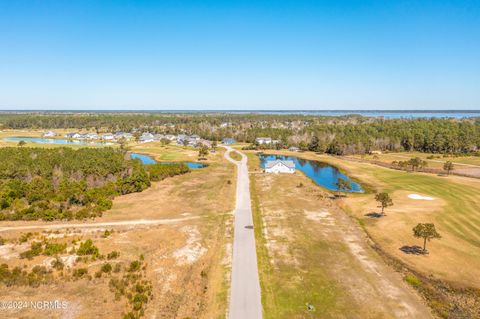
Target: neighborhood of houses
<point x="276" y="166"/>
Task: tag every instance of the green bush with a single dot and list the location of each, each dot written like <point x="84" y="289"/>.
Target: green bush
<point x="80" y="272"/>
<point x="88" y="248"/>
<point x="413" y="280"/>
<point x="35" y="250"/>
<point x="106" y="268"/>
<point x="54" y="249"/>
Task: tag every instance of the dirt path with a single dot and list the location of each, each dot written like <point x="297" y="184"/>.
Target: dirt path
<point x="245" y="297"/>
<point x="137" y="222"/>
<point x="396" y="297"/>
<point x="342" y="276"/>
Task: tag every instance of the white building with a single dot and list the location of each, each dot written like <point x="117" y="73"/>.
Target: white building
<point x="279" y="166"/>
<point x="266" y="141"/>
<point x="263" y="140"/>
<point x="49" y="134"/>
<point x="146" y="137"/>
<point x="91" y="136"/>
<point x="108" y="137"/>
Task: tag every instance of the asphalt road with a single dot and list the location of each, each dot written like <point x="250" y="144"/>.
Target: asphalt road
<point x="245" y="298"/>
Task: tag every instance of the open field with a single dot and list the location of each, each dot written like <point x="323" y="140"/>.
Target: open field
<point x="464" y="165"/>
<point x="454" y="210"/>
<point x="311" y="253"/>
<point x="165" y="153"/>
<point x="38" y="133"/>
<point x="186" y="250"/>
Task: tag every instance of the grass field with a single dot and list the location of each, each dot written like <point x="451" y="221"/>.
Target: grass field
<point x="436" y="162"/>
<point x="165" y="153"/>
<point x="236" y="156"/>
<point x="311" y="253"/>
<point x="455" y="211"/>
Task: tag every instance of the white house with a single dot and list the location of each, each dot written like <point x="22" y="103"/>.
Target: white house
<point x="279" y="166"/>
<point x="91" y="136"/>
<point x="146" y="137"/>
<point x="108" y="137"/>
<point x="263" y="140"/>
<point x="49" y="134"/>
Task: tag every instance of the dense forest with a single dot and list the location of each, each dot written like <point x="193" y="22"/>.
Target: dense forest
<point x="63" y="183"/>
<point x="352" y="134"/>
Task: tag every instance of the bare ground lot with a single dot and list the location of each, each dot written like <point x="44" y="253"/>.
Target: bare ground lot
<point x="315" y="262"/>
<point x="181" y="226"/>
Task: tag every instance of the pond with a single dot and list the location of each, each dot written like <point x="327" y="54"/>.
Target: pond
<point x="59" y="141"/>
<point x="149" y="160"/>
<point x="321" y="173"/>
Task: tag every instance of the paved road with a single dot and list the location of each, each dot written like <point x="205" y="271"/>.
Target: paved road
<point x="245" y="298"/>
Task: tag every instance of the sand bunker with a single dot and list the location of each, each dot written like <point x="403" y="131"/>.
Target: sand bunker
<point x="416" y="196"/>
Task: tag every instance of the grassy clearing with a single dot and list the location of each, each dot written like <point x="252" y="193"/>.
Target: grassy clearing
<point x="455" y="212"/>
<point x="165" y="153"/>
<point x="302" y="255"/>
<point x="434" y="160"/>
<point x="236" y="156"/>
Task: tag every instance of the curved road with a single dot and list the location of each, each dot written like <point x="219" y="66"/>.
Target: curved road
<point x="245" y="298"/>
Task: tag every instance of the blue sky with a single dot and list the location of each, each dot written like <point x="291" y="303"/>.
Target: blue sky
<point x="239" y="54"/>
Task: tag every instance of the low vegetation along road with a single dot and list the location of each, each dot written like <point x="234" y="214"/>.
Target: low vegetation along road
<point x="245" y="297"/>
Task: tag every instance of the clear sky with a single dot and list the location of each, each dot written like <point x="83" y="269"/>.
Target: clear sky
<point x="240" y="54"/>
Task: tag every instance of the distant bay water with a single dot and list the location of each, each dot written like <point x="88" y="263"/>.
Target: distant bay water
<point x="379" y="114"/>
<point x="388" y="114"/>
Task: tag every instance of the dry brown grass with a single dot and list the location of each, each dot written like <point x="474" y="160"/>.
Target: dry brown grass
<point x="187" y="262"/>
<point x="311" y="252"/>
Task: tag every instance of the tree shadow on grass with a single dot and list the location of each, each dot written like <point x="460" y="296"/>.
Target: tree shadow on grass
<point x="374" y="215"/>
<point x="413" y="250"/>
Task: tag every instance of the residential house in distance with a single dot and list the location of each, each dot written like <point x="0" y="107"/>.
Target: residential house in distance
<point x="204" y="143"/>
<point x="49" y="134"/>
<point x="108" y="137"/>
<point x="293" y="149"/>
<point x="170" y="137"/>
<point x="192" y="140"/>
<point x="122" y="135"/>
<point x="228" y="141"/>
<point x="146" y="138"/>
<point x="266" y="141"/>
<point x="91" y="136"/>
<point x="279" y="166"/>
<point x="263" y="140"/>
<point x="74" y="135"/>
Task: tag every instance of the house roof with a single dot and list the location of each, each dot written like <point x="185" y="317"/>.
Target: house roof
<point x="287" y="163"/>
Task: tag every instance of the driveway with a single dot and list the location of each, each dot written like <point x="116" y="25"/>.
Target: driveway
<point x="245" y="297"/>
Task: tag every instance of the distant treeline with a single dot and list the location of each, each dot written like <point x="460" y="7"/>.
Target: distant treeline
<point x="336" y="135"/>
<point x="63" y="183"/>
<point x="435" y="135"/>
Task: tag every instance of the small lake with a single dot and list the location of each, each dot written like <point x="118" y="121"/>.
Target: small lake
<point x="149" y="160"/>
<point x="321" y="173"/>
<point x="58" y="141"/>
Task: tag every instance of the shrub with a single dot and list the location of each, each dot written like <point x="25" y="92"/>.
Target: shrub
<point x="413" y="280"/>
<point x="54" y="249"/>
<point x="106" y="268"/>
<point x="80" y="272"/>
<point x="35" y="250"/>
<point x="87" y="248"/>
<point x="134" y="266"/>
<point x="113" y="255"/>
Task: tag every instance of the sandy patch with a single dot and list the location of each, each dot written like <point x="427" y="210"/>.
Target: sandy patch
<point x="9" y="251"/>
<point x="193" y="249"/>
<point x="420" y="197"/>
<point x="320" y="216"/>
